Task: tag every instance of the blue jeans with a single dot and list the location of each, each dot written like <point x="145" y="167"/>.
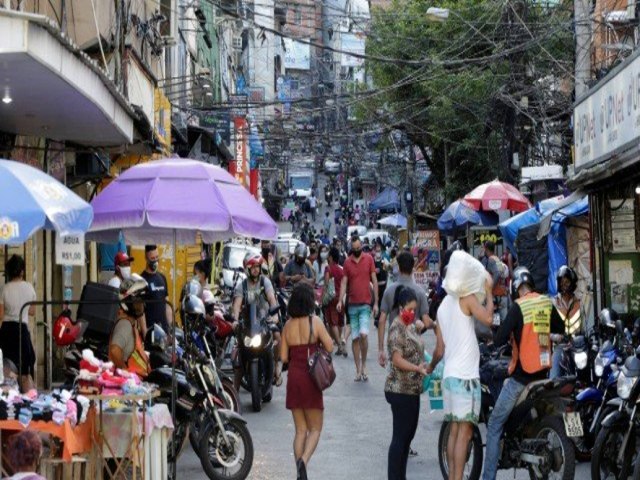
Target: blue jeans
<point x="504" y="405"/>
<point x="555" y="362"/>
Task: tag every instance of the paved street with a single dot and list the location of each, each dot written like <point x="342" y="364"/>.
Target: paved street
<point x="355" y="439"/>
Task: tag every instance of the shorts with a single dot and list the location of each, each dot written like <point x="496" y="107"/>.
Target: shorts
<point x="332" y="316"/>
<point x="360" y="320"/>
<point x="461" y="400"/>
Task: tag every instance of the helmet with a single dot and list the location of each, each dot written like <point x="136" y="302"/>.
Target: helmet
<point x="521" y="276"/>
<point x="192" y="305"/>
<point x="132" y="290"/>
<point x="457" y="245"/>
<point x="608" y="317"/>
<point x="192" y="287"/>
<point x="566" y="272"/>
<point x="301" y="251"/>
<point x="65" y="332"/>
<point x="156" y="337"/>
<point x="251" y="260"/>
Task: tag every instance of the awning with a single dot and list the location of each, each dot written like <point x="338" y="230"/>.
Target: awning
<point x="56" y="90"/>
<point x="387" y="201"/>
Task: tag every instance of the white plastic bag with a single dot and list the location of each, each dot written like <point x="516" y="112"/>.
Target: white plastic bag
<point x="465" y="276"/>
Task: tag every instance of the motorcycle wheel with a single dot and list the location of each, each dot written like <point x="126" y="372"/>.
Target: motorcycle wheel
<point x="604" y="460"/>
<point x="231" y="397"/>
<point x="220" y="462"/>
<point x="549" y="428"/>
<point x="473" y="467"/>
<point x="256" y="391"/>
<point x="636" y="471"/>
<point x="584" y="445"/>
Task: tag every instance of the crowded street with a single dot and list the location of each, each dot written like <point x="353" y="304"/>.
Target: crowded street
<point x="305" y="239"/>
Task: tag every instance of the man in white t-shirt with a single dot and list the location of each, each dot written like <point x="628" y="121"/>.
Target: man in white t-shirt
<point x="461" y="377"/>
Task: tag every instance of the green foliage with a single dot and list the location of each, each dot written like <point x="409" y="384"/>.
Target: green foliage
<point x="465" y="100"/>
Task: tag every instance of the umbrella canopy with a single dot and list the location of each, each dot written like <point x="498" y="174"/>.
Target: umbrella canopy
<point x="387" y="200"/>
<point x="497" y="195"/>
<point x="175" y="199"/>
<point x="30" y="200"/>
<point x="460" y="214"/>
<point x="397" y="220"/>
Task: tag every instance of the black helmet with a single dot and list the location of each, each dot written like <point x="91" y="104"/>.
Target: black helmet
<point x="521" y="276"/>
<point x="193" y="305"/>
<point x="156" y="338"/>
<point x="608" y="317"/>
<point x="131" y="295"/>
<point x="192" y="287"/>
<point x="567" y="272"/>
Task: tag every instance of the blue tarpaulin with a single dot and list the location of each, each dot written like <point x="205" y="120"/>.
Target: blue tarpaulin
<point x="387" y="200"/>
<point x="556" y="240"/>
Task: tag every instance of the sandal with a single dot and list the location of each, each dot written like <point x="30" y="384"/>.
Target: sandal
<point x="412" y="452"/>
<point x="364" y="377"/>
<point x="277" y="376"/>
<point x="358" y="378"/>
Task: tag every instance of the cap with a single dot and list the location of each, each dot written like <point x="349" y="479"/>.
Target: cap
<point x="122" y="257"/>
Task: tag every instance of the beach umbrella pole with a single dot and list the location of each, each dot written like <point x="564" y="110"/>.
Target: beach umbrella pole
<point x="173" y="363"/>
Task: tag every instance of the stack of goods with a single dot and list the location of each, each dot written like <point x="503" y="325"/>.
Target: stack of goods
<point x="57" y="406"/>
<point x="98" y="377"/>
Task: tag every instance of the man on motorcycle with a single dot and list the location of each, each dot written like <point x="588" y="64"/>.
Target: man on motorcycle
<point x="126" y="345"/>
<point x="271" y="264"/>
<point x="530" y="324"/>
<point x="298" y="269"/>
<point x="256" y="288"/>
<point x="569" y="308"/>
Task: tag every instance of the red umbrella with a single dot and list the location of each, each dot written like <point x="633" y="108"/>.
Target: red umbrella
<point x="497" y="195"/>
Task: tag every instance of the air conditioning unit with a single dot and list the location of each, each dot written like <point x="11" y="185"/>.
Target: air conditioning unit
<point x="237" y="43"/>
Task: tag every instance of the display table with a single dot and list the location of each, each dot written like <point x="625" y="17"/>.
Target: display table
<point x="76" y="440"/>
<point x="132" y="442"/>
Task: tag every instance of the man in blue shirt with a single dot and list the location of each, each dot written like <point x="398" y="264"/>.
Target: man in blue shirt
<point x="107" y="255"/>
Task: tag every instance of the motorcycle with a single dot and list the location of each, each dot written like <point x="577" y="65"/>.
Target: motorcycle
<point x="255" y="354"/>
<point x="615" y="446"/>
<point x="535" y="436"/>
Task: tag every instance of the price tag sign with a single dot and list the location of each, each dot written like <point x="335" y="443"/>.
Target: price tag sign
<point x="70" y="250"/>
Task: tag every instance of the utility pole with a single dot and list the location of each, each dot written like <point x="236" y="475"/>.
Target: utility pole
<point x="583" y="44"/>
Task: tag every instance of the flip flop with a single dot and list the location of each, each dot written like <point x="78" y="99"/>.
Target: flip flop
<point x="364" y="377"/>
<point x="358" y="378"/>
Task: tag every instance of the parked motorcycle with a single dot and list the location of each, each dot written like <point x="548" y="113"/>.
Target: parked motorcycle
<point x="615" y="445"/>
<point x="256" y="354"/>
<point x="535" y="436"/>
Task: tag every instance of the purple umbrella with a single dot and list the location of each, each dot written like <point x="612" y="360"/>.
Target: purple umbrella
<point x="172" y="200"/>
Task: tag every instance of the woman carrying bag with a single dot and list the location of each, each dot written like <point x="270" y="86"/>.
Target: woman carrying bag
<point x="404" y="381"/>
<point x="303" y="335"/>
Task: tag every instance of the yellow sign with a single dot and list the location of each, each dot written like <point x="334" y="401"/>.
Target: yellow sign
<point x="162" y="119"/>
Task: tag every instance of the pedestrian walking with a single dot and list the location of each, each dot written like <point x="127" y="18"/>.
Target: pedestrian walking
<point x="24" y="450"/>
<point x="404" y="382"/>
<point x="381" y="274"/>
<point x="456" y="341"/>
<point x="359" y="274"/>
<point x="389" y="308"/>
<point x="15" y="334"/>
<point x="335" y="319"/>
<point x="326" y="223"/>
<point x="301" y="336"/>
<point x="313" y="205"/>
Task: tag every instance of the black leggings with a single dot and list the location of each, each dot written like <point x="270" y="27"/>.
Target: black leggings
<point x="405" y="410"/>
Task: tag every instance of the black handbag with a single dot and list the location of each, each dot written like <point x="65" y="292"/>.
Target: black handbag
<point x="320" y="364"/>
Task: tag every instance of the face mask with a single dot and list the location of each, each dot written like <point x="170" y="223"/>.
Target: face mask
<point x="357" y="253"/>
<point x="153" y="266"/>
<point x="125" y="272"/>
<point x="324" y="255"/>
<point x="407" y="317"/>
<point x="378" y="255"/>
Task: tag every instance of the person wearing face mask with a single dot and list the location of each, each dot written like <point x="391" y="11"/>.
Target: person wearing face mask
<point x="274" y="268"/>
<point x="156" y="312"/>
<point x="298" y="269"/>
<point x="122" y="264"/>
<point x="320" y="265"/>
<point x="126" y="345"/>
<point x="381" y="274"/>
<point x="403" y="386"/>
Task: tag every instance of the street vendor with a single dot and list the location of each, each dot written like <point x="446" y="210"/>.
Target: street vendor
<point x="126" y="346"/>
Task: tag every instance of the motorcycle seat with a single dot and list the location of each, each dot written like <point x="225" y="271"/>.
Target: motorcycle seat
<point x="544" y="384"/>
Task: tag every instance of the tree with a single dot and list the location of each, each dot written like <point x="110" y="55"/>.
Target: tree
<point x="484" y="84"/>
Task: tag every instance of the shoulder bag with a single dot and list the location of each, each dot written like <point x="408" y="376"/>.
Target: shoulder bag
<point x="320" y="364"/>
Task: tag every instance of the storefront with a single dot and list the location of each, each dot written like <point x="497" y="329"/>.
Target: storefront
<point x="607" y="167"/>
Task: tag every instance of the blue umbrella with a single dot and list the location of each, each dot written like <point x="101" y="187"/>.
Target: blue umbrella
<point x="397" y="220"/>
<point x="460" y="214"/>
<point x="30" y="200"/>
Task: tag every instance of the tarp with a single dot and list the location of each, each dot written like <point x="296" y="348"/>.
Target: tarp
<point x="387" y="200"/>
<point x="556" y="240"/>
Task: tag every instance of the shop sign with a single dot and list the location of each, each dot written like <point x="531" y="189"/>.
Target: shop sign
<point x="427" y="239"/>
<point x="623" y="225"/>
<point x="220" y="122"/>
<point x="70" y="250"/>
<point x="241" y="150"/>
<point x="608" y="120"/>
<point x="8" y="229"/>
<point x="297" y="55"/>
